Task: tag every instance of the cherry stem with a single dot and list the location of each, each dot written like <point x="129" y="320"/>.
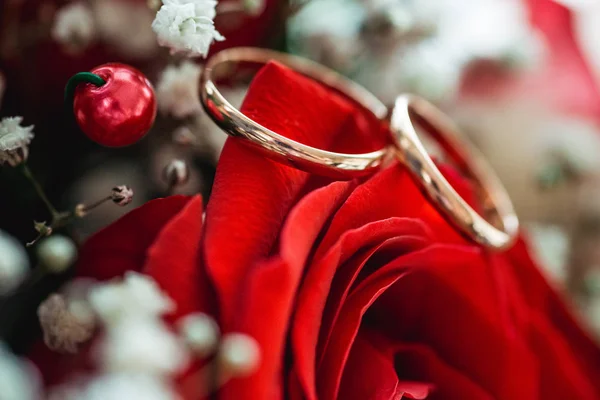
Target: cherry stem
<point x="77" y="79"/>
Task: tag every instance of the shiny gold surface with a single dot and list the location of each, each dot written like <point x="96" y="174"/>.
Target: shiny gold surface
<point x="500" y="229"/>
<point x="273" y="145"/>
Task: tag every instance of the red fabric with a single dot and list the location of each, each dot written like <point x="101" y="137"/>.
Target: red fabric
<point x="354" y="290"/>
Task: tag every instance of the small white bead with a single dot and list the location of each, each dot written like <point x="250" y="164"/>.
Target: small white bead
<point x="57" y="253"/>
<point x="14" y="263"/>
<point x="200" y="332"/>
<point x="239" y="354"/>
<point x="19" y="379"/>
<point x="254" y="7"/>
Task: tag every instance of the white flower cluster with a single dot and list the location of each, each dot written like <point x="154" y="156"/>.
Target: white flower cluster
<point x="138" y="352"/>
<point x="186" y="26"/>
<point x="14" y="140"/>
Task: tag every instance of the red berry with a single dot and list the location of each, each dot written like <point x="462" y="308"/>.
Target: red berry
<point x="119" y="112"/>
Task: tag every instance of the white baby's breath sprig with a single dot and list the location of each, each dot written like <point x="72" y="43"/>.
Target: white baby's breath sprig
<point x="177" y="90"/>
<point x="14" y="140"/>
<point x="136" y="295"/>
<point x="74" y="26"/>
<point x="63" y="330"/>
<point x="186" y="26"/>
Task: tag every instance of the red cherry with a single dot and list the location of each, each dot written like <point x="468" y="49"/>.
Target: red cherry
<point x="118" y="112"/>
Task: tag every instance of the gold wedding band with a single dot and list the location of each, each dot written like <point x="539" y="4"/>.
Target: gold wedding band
<point x="500" y="229"/>
<point x="273" y="145"/>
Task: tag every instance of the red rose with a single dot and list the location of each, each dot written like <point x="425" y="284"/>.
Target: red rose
<point x="354" y="290"/>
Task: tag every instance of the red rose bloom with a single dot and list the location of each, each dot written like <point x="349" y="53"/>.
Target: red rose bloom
<point x="354" y="290"/>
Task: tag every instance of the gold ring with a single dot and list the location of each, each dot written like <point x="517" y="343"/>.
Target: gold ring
<point x="500" y="229"/>
<point x="278" y="147"/>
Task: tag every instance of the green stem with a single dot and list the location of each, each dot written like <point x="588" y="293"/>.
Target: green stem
<point x="78" y="78"/>
<point x="39" y="190"/>
<point x="96" y="204"/>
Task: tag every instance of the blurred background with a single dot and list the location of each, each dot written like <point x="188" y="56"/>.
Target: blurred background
<point x="521" y="77"/>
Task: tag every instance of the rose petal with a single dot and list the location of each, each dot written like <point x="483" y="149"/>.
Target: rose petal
<point x="330" y="371"/>
<point x="122" y="245"/>
<point x="174" y="263"/>
<point x="315" y="291"/>
<point x="370" y="375"/>
<point x="252" y="195"/>
<point x="281" y="275"/>
<point x="417" y="361"/>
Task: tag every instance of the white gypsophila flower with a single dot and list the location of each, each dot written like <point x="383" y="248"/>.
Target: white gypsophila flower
<point x="127" y="27"/>
<point x="77" y="291"/>
<point x="186" y="26"/>
<point x="136" y="295"/>
<point x="117" y="386"/>
<point x="74" y="26"/>
<point x="19" y="379"/>
<point x="177" y="90"/>
<point x="14" y="140"/>
<point x="57" y="253"/>
<point x="142" y="344"/>
<point x="14" y="263"/>
<point x="63" y="330"/>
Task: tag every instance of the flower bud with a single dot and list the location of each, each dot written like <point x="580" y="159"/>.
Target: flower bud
<point x="42" y="228"/>
<point x="122" y="195"/>
<point x="239" y="354"/>
<point x="57" y="253"/>
<point x="80" y="211"/>
<point x="200" y="332"/>
<point x="176" y="173"/>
